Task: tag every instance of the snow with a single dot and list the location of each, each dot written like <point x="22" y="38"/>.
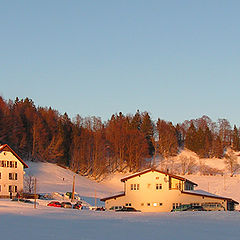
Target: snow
<point x="21" y="221"/>
<point x="52" y="178"/>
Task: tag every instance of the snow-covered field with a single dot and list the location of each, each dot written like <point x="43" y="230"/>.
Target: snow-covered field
<point x="21" y="221"/>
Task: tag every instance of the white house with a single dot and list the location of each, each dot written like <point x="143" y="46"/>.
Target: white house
<point x="11" y="172"/>
<point x="156" y="191"/>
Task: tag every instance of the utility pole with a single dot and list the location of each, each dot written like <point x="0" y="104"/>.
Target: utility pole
<point x="95" y="199"/>
<point x="35" y="192"/>
<point x="73" y="188"/>
<point x="224" y="183"/>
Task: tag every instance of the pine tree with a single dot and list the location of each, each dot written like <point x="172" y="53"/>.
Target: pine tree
<point x="136" y="121"/>
<point x="167" y="142"/>
<point x="235" y="139"/>
<point x="147" y="128"/>
<point x="217" y="147"/>
<point x="191" y="141"/>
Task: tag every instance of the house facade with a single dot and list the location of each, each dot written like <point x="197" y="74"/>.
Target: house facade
<point x="156" y="191"/>
<point x="11" y="172"/>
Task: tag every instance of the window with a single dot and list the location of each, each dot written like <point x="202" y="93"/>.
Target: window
<point x="128" y="204"/>
<point x="157" y="178"/>
<point x="15" y="164"/>
<point x="11" y="164"/>
<point x="12" y="176"/>
<point x="8" y="163"/>
<point x="160" y="204"/>
<point x="158" y="186"/>
<point x="3" y="163"/>
<point x="148" y="204"/>
<point x="0" y="175"/>
<point x="142" y="204"/>
<point x="134" y="186"/>
<point x="154" y="204"/>
<point x="195" y="204"/>
<point x="173" y="205"/>
<point x="12" y="188"/>
<point x="0" y="188"/>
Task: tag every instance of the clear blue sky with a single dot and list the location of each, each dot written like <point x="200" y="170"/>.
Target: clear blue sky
<point x="176" y="59"/>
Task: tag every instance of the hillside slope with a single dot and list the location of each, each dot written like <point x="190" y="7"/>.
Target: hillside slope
<point x="52" y="178"/>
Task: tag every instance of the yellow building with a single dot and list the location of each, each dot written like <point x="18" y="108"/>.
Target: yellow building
<point x="11" y="172"/>
<point x="156" y="191"/>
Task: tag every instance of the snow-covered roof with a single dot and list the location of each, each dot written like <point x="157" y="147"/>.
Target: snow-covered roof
<point x="206" y="194"/>
<point x="155" y="170"/>
<point x="119" y="194"/>
<point x="6" y="147"/>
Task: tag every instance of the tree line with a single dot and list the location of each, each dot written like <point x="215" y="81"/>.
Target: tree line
<point x="94" y="148"/>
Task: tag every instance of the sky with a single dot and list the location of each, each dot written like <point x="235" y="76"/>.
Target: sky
<point x="177" y="59"/>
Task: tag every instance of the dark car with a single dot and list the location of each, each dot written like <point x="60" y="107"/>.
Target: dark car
<point x="127" y="209"/>
<point x="77" y="205"/>
<point x="54" y="204"/>
<point x="195" y="208"/>
<point x="188" y="207"/>
<point x="66" y="205"/>
<point x="100" y="209"/>
<point x="182" y="207"/>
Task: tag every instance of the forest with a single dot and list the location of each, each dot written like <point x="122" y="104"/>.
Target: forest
<point x="94" y="148"/>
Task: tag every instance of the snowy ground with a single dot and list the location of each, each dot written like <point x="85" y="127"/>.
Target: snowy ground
<point x="20" y="221"/>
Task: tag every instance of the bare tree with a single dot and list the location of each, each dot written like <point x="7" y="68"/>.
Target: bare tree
<point x="29" y="183"/>
<point x="184" y="163"/>
<point x="187" y="164"/>
<point x="231" y="162"/>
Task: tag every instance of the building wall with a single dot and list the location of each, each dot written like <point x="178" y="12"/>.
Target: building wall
<point x="144" y="193"/>
<point x="10" y="167"/>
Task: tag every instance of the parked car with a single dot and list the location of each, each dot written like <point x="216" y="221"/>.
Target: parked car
<point x="195" y="208"/>
<point x="54" y="204"/>
<point x="212" y="206"/>
<point x="188" y="207"/>
<point x="66" y="205"/>
<point x="114" y="208"/>
<point x="183" y="207"/>
<point x="127" y="209"/>
<point x="78" y="205"/>
<point x="100" y="209"/>
<point x="24" y="200"/>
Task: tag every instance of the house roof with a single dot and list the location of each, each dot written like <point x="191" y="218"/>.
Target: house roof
<point x="5" y="147"/>
<point x="114" y="196"/>
<point x="155" y="170"/>
<point x="207" y="194"/>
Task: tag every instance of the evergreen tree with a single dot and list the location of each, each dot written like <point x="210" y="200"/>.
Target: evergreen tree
<point x="235" y="139"/>
<point x="217" y="147"/>
<point x="191" y="141"/>
<point x="167" y="142"/>
<point x="136" y="121"/>
<point x="147" y="128"/>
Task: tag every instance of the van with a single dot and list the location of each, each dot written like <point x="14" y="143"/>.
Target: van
<point x="213" y="206"/>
